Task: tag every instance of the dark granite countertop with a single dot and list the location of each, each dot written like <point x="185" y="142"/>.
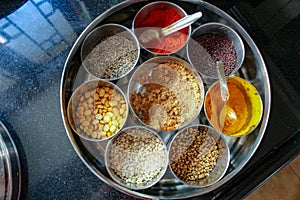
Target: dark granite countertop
<point x="35" y="39"/>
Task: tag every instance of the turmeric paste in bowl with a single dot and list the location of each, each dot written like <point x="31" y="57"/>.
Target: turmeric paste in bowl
<point x="241" y="114"/>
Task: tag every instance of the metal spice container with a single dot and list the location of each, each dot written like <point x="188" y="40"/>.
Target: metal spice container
<point x="212" y="42"/>
<point x="161" y="14"/>
<point x="241" y="114"/>
<point x="220" y="48"/>
<point x="198" y="156"/>
<point x="165" y="93"/>
<point x="242" y="148"/>
<point x="97" y="110"/>
<point x="110" y="52"/>
<point x="136" y="158"/>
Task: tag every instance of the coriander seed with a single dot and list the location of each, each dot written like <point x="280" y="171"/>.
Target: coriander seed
<point x="193" y="154"/>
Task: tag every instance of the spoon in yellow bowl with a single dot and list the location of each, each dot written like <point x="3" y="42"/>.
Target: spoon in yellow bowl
<point x="160" y="33"/>
<point x="226" y="110"/>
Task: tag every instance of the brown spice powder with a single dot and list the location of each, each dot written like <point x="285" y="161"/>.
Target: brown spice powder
<point x="170" y="96"/>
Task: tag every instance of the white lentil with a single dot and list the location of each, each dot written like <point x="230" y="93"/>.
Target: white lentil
<point x="137" y="156"/>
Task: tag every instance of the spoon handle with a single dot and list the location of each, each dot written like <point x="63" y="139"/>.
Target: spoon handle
<point x="222" y="80"/>
<point x="182" y="23"/>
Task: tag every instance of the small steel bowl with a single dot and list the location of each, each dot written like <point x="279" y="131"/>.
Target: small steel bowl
<point x="154" y="47"/>
<point x="217" y="111"/>
<point x="202" y="59"/>
<point x="165" y="93"/>
<point x="104" y="57"/>
<point x="136" y="158"/>
<point x="97" y="110"/>
<point x="192" y="156"/>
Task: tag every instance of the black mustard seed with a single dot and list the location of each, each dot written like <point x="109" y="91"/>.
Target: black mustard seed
<point x="210" y="48"/>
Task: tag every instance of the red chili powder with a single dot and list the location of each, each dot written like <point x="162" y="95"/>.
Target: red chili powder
<point x="162" y="18"/>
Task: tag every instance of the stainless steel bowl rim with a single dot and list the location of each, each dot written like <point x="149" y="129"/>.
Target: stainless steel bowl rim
<point x="226" y="147"/>
<point x="167" y="3"/>
<point x="107" y="26"/>
<point x="152" y="132"/>
<point x="85" y="85"/>
<point x="261" y="104"/>
<point x="240" y="41"/>
<point x="168" y="58"/>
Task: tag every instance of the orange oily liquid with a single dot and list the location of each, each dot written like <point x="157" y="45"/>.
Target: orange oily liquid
<point x="238" y="102"/>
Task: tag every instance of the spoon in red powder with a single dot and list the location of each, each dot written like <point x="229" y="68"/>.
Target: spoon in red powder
<point x="160" y="33"/>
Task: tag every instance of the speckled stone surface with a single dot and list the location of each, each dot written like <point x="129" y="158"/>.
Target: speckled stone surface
<point x="35" y="40"/>
<point x="30" y="73"/>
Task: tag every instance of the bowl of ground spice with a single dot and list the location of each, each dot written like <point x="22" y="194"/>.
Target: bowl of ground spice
<point x="160" y="15"/>
<point x="97" y="110"/>
<point x="212" y="42"/>
<point x="165" y="93"/>
<point x="110" y="52"/>
<point x="238" y="116"/>
<point x="136" y="158"/>
<point x="199" y="155"/>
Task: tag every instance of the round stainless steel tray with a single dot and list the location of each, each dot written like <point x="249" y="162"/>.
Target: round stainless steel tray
<point x="10" y="166"/>
<point x="241" y="148"/>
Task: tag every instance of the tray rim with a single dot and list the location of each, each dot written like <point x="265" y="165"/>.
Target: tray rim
<point x="137" y="194"/>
